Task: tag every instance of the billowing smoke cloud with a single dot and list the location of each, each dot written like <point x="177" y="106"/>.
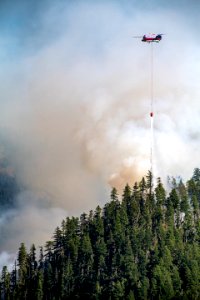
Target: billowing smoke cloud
<point x="75" y="109"/>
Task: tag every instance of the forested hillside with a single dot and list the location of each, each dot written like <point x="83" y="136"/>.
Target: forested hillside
<point x="143" y="245"/>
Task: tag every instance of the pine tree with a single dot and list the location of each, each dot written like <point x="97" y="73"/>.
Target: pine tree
<point x="196" y="175"/>
<point x="39" y="285"/>
<point x="48" y="280"/>
<point x="31" y="272"/>
<point x="5" y="284"/>
<point x="114" y="194"/>
<point x="158" y="213"/>
<point x="22" y="271"/>
<point x="146" y="246"/>
<point x="85" y="266"/>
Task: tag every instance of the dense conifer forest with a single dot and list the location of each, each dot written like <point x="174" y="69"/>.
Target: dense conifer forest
<point x="142" y="245"/>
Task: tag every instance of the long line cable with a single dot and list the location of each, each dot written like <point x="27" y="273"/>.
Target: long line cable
<point x="152" y="108"/>
<point x="152" y="78"/>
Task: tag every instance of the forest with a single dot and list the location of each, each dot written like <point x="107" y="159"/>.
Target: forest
<point x="144" y="244"/>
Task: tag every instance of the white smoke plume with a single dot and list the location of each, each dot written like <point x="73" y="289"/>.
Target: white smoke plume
<point x="75" y="108"/>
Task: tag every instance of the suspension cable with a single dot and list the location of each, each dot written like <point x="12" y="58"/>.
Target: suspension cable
<point x="151" y="107"/>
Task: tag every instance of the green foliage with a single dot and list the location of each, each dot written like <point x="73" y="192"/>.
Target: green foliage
<point x="145" y="245"/>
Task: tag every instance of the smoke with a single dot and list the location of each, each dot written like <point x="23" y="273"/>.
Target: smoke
<point x="75" y="108"/>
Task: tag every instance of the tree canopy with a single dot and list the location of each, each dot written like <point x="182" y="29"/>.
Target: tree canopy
<point x="142" y="245"/>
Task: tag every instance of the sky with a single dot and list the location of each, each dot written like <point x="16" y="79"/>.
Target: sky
<point x="75" y="104"/>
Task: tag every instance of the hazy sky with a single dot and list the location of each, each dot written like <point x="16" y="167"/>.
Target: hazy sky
<point x="75" y="103"/>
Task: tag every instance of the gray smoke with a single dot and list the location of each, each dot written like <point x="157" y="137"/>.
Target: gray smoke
<point x="75" y="109"/>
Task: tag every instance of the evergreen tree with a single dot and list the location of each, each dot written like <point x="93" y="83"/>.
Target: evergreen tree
<point x="5" y="284"/>
<point x="145" y="246"/>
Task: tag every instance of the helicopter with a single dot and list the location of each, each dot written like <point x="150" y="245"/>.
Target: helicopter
<point x="151" y="37"/>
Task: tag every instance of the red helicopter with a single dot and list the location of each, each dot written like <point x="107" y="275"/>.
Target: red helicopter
<point x="151" y="37"/>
